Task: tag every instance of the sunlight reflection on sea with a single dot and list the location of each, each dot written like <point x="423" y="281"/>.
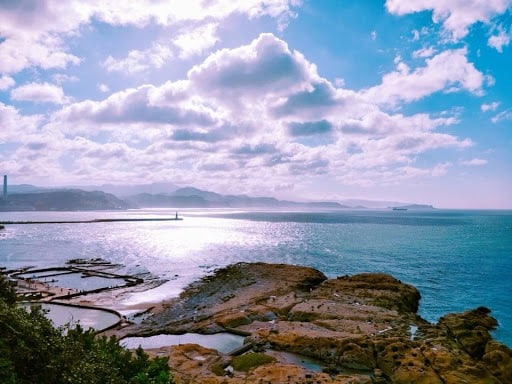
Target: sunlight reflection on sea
<point x="457" y="259"/>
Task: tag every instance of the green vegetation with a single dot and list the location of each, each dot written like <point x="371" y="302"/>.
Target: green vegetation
<point x="251" y="360"/>
<point x="33" y="351"/>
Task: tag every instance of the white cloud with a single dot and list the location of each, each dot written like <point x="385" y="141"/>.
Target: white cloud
<point x="15" y="126"/>
<point x="339" y="82"/>
<point x="46" y="52"/>
<point x="455" y="15"/>
<point x="373" y="35"/>
<point x="6" y="82"/>
<point x="502" y="39"/>
<point x="474" y="162"/>
<point x="259" y="115"/>
<point x="266" y="68"/>
<point x="60" y="78"/>
<point x="39" y="93"/>
<point x="197" y="40"/>
<point x="490" y="107"/>
<point x="502" y="116"/>
<point x="140" y="61"/>
<point x="35" y="32"/>
<point x="424" y="52"/>
<point x="103" y="88"/>
<point x="448" y="71"/>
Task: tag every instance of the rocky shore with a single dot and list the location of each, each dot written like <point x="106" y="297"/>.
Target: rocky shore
<point x="362" y="328"/>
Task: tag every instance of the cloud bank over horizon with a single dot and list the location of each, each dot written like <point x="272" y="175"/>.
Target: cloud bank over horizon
<point x="239" y="97"/>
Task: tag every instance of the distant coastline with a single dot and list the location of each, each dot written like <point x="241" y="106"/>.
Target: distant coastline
<point x="31" y="198"/>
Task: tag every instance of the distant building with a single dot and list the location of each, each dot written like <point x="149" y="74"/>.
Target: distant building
<point x="5" y="187"/>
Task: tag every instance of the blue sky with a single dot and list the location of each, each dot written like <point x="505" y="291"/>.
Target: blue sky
<point x="308" y="100"/>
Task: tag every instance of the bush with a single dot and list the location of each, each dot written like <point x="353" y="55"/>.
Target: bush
<point x="33" y="351"/>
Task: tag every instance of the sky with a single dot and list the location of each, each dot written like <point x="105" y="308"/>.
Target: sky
<point x="308" y="100"/>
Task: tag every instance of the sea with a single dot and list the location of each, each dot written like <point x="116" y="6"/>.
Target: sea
<point x="458" y="259"/>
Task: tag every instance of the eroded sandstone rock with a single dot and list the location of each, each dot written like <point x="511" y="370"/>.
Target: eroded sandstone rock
<point x="359" y="327"/>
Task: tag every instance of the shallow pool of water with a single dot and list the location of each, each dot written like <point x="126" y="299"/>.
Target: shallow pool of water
<point x="222" y="342"/>
<point x="305" y="362"/>
<point x="62" y="315"/>
<point x="74" y="280"/>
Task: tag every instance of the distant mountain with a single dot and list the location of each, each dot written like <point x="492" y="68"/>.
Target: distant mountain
<point x="62" y="200"/>
<point x="165" y="195"/>
<point x="128" y="190"/>
<point x="190" y="197"/>
<point x="206" y="195"/>
<point x="147" y="200"/>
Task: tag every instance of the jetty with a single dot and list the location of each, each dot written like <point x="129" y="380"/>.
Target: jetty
<point x="176" y="218"/>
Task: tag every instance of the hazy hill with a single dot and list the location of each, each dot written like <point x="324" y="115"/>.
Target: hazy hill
<point x="164" y="195"/>
<point x="127" y="190"/>
<point x="189" y="197"/>
<point x="62" y="200"/>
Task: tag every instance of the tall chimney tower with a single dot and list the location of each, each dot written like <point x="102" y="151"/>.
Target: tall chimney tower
<point x="5" y="187"/>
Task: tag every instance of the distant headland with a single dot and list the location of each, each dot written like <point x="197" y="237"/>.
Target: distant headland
<point x="32" y="198"/>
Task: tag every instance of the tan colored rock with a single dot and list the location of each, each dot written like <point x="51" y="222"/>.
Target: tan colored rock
<point x="359" y="327"/>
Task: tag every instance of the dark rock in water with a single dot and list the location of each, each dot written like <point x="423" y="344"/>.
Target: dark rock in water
<point x="363" y="328"/>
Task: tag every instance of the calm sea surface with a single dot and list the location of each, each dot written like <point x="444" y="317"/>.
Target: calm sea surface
<point x="458" y="260"/>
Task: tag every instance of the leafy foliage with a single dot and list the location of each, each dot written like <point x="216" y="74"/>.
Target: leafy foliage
<point x="7" y="293"/>
<point x="33" y="351"/>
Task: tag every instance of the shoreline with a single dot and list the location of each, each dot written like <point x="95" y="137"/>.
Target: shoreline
<point x="365" y="324"/>
<point x="362" y="328"/>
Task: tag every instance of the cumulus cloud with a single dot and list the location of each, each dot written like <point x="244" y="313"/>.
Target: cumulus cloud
<point x="136" y="106"/>
<point x="197" y="40"/>
<point x="103" y="88"/>
<point x="320" y="95"/>
<point x="6" y="82"/>
<point x="456" y="16"/>
<point x="294" y="123"/>
<point x="139" y="61"/>
<point x="266" y="66"/>
<point x="39" y="93"/>
<point x="34" y="32"/>
<point x="448" y="71"/>
<point x="20" y="52"/>
<point x="15" y="125"/>
<point x="490" y="107"/>
<point x="502" y="39"/>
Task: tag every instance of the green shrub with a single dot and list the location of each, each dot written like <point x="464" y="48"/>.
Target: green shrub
<point x="33" y="351"/>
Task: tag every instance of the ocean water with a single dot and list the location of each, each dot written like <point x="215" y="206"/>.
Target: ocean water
<point x="459" y="260"/>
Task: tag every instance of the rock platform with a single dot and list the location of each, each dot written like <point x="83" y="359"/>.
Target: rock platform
<point x="362" y="328"/>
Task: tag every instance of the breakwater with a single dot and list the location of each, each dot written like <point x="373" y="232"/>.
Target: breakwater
<point x="90" y="221"/>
